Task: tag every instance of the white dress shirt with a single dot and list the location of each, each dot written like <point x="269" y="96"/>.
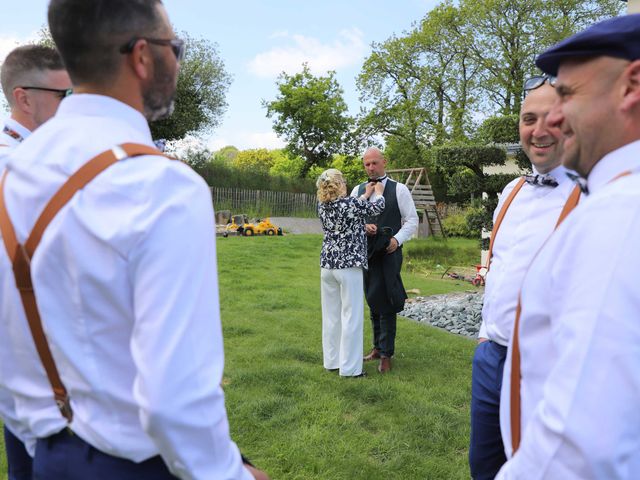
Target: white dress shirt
<point x="529" y="221"/>
<point x="580" y="339"/>
<point x="8" y="142"/>
<point x="7" y="405"/>
<point x="407" y="209"/>
<point x="126" y="283"/>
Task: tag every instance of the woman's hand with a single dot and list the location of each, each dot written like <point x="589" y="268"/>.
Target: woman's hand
<point x="379" y="188"/>
<point x="369" y="189"/>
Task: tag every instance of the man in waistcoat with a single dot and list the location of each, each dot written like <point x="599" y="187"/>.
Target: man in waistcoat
<point x="123" y="380"/>
<point x="571" y="389"/>
<point x="34" y="81"/>
<point x="386" y="234"/>
<point x="527" y="212"/>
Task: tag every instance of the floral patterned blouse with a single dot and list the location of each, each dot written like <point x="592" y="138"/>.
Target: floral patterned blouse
<point x="344" y="244"/>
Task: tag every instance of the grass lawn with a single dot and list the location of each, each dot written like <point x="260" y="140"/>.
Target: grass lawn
<point x="297" y="421"/>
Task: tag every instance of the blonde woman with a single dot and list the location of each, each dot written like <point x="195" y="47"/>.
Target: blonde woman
<point x="342" y="259"/>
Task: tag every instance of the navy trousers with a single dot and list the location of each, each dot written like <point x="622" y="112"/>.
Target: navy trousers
<point x="486" y="451"/>
<point x="65" y="456"/>
<point x="19" y="462"/>
<point x="384" y="332"/>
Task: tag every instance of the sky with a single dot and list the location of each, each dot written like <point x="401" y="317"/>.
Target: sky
<point x="257" y="40"/>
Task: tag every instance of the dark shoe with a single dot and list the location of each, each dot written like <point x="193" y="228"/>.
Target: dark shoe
<point x="385" y="365"/>
<point x="363" y="374"/>
<point x="332" y="369"/>
<point x="374" y="354"/>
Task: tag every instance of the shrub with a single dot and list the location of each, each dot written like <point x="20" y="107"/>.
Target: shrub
<point x="219" y="175"/>
<point x="456" y="226"/>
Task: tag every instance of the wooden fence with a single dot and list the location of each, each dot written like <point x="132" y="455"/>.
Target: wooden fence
<point x="277" y="204"/>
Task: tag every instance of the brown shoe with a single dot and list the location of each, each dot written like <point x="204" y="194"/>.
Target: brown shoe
<point x="374" y="354"/>
<point x="385" y="365"/>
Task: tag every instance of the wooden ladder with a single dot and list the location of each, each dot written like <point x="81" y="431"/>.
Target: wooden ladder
<point x="417" y="181"/>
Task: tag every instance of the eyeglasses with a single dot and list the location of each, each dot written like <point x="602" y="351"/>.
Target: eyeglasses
<point x="61" y="93"/>
<point x="177" y="45"/>
<point x="537" y="81"/>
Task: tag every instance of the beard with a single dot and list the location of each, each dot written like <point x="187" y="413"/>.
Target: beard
<point x="159" y="98"/>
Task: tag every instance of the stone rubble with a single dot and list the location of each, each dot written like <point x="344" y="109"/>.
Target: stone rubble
<point x="459" y="313"/>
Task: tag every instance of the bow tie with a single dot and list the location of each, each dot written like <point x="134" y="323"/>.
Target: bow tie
<point x="541" y="180"/>
<point x="374" y="180"/>
<point x="581" y="182"/>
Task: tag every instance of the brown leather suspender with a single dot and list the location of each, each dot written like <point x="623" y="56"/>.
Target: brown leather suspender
<point x="501" y="214"/>
<point x="515" y="408"/>
<point x="20" y="255"/>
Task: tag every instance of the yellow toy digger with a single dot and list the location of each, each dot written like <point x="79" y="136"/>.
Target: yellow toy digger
<point x="240" y="223"/>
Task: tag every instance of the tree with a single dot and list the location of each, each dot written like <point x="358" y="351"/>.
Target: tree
<point x="311" y="114"/>
<point x="504" y="37"/>
<point x="258" y="160"/>
<point x="419" y="87"/>
<point x="226" y="155"/>
<point x="200" y="94"/>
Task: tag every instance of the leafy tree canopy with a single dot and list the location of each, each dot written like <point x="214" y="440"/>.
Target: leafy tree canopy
<point x="311" y="114"/>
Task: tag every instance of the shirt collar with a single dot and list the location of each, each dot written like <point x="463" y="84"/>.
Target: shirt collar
<point x="614" y="163"/>
<point x="17" y="127"/>
<point x="88" y="104"/>
<point x="559" y="174"/>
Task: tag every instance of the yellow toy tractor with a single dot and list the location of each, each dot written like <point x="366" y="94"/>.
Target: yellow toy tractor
<point x="240" y="224"/>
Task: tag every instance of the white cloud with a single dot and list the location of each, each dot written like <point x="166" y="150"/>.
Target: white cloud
<point x="346" y="50"/>
<point x="246" y="140"/>
<point x="268" y="140"/>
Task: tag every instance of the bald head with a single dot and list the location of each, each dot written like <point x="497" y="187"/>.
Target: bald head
<point x="599" y="110"/>
<point x="374" y="162"/>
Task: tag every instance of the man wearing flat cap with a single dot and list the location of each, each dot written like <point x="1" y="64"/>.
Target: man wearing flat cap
<point x="571" y="387"/>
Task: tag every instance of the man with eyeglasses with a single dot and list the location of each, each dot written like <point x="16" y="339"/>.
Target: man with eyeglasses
<point x="34" y="81"/>
<point x="125" y="380"/>
<point x="528" y="210"/>
<point x="571" y="386"/>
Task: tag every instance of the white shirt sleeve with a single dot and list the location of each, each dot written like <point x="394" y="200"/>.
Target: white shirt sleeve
<point x="177" y="338"/>
<point x="408" y="214"/>
<point x="587" y="422"/>
<point x="483" y="330"/>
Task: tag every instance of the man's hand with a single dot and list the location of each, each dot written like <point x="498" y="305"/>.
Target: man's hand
<point x="482" y="340"/>
<point x="393" y="245"/>
<point x="371" y="229"/>
<point x="257" y="474"/>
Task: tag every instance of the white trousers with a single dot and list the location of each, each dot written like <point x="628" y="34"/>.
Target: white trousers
<point x="342" y="319"/>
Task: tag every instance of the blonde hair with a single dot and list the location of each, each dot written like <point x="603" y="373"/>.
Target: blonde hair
<point x="331" y="185"/>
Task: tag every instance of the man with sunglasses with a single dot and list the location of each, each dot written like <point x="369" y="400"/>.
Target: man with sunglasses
<point x="125" y="273"/>
<point x="34" y="81"/>
<point x="571" y="386"/>
<point x="526" y="215"/>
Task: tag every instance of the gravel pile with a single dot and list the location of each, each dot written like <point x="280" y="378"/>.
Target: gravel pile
<point x="458" y="313"/>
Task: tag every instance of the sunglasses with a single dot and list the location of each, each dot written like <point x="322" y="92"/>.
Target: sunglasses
<point x="177" y="45"/>
<point x="537" y="81"/>
<point x="61" y="93"/>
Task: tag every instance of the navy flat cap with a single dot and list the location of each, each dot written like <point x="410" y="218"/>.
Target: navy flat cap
<point x="617" y="37"/>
